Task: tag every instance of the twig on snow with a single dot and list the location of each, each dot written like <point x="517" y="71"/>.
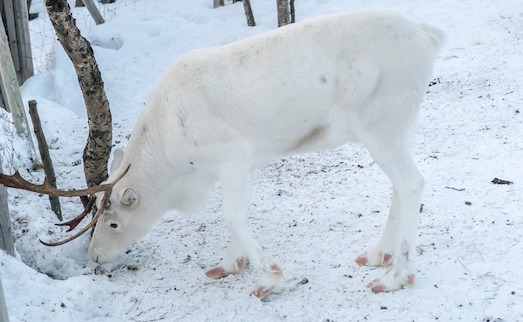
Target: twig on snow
<point x="457" y="189"/>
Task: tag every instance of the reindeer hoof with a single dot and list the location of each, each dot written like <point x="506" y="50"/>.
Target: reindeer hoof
<point x="380" y="259"/>
<point x="391" y="282"/>
<point x="216" y="273"/>
<point x="260" y="292"/>
<point x="362" y="260"/>
<point x="220" y="272"/>
<point x="268" y="280"/>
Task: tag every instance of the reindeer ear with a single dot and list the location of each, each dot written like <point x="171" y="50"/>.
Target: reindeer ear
<point x="117" y="159"/>
<point x="129" y="198"/>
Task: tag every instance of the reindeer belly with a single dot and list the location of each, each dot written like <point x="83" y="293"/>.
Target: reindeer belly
<point x="326" y="130"/>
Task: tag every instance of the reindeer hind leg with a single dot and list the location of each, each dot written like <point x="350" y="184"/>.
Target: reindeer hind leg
<point x="397" y="245"/>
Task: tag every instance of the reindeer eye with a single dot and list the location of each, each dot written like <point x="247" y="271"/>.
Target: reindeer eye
<point x="113" y="225"/>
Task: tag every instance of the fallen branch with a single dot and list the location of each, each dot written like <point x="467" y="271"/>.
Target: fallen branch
<point x="457" y="189"/>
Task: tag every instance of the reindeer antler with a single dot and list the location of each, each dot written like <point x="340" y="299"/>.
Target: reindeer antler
<point x="16" y="181"/>
<point x="103" y="205"/>
<point x="75" y="221"/>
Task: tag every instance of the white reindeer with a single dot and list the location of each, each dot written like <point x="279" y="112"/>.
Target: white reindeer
<point x="220" y="113"/>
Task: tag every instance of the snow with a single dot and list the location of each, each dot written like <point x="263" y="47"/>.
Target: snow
<point x="315" y="213"/>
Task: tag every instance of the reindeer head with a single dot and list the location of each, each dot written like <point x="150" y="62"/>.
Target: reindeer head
<point x="123" y="221"/>
<point x="116" y="229"/>
<point x="117" y="207"/>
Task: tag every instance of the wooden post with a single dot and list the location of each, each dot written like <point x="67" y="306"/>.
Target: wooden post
<point x="46" y="157"/>
<point x="218" y="3"/>
<point x="24" y="41"/>
<point x="11" y="93"/>
<point x="6" y="235"/>
<point x="17" y="25"/>
<point x="3" y="308"/>
<point x="293" y="11"/>
<point x="93" y="10"/>
<point x="10" y="27"/>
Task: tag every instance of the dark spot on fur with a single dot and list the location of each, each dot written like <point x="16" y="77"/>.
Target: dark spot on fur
<point x="405" y="250"/>
<point x="323" y="79"/>
<point x="313" y="135"/>
<point x="181" y="119"/>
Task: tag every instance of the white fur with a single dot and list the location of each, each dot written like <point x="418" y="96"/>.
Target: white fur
<point x="220" y="113"/>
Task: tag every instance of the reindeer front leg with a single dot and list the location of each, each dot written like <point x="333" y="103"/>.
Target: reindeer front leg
<point x="237" y="184"/>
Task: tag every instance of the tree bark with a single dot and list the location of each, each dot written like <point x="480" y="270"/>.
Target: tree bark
<point x="79" y="50"/>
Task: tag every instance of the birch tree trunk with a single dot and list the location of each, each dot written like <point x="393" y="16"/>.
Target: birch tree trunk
<point x="248" y="13"/>
<point x="283" y="12"/>
<point x="79" y="50"/>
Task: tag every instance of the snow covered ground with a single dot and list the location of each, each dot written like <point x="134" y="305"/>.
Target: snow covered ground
<point x="315" y="213"/>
